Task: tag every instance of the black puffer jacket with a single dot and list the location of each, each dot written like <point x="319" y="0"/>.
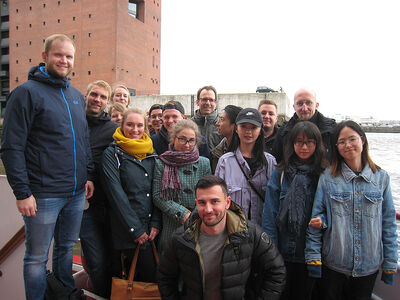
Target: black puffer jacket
<point x="251" y="266"/>
<point x="324" y="124"/>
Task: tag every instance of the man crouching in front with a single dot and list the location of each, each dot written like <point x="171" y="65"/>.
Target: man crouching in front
<point x="218" y="254"/>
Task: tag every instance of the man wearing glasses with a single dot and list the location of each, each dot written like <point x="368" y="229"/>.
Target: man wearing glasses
<point x="206" y="116"/>
<point x="305" y="106"/>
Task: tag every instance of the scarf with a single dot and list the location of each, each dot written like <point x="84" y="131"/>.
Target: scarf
<point x="139" y="148"/>
<point x="171" y="186"/>
<point x="292" y="211"/>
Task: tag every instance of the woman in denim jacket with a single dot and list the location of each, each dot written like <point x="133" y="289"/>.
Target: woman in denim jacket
<point x="288" y="204"/>
<point x="246" y="168"/>
<point x="353" y="230"/>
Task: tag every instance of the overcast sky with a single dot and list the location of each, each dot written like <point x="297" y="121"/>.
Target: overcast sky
<point x="347" y="51"/>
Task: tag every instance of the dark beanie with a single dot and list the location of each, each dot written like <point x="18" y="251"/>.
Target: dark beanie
<point x="174" y="105"/>
<point x="232" y="111"/>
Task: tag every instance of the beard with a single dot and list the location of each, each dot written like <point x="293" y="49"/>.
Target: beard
<point x="214" y="222"/>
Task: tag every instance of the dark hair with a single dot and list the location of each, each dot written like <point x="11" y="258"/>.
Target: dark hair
<point x="155" y="106"/>
<point x="232" y="111"/>
<point x="311" y="131"/>
<point x="258" y="149"/>
<point x="337" y="159"/>
<point x="211" y="180"/>
<point x="208" y="88"/>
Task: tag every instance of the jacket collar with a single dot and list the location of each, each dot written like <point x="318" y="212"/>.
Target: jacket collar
<point x="38" y="73"/>
<point x="235" y="221"/>
<point x="349" y="175"/>
<point x="210" y="117"/>
<point x="103" y="118"/>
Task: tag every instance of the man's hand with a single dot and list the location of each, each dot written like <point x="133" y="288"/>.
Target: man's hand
<point x="27" y="207"/>
<point x="186" y="217"/>
<point x="89" y="189"/>
<point x="153" y="233"/>
<point x="316" y="222"/>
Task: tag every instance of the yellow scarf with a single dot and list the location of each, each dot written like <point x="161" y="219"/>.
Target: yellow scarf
<point x="139" y="148"/>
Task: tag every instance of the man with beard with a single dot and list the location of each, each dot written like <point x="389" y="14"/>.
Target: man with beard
<point x="46" y="153"/>
<point x="219" y="254"/>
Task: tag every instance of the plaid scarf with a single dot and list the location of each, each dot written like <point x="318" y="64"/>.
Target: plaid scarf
<point x="171" y="186"/>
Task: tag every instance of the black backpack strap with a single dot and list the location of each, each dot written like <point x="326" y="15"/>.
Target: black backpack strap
<point x="249" y="179"/>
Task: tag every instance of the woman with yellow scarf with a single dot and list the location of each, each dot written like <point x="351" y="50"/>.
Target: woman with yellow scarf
<point x="127" y="170"/>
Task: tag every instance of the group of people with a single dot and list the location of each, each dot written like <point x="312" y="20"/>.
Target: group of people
<point x="238" y="207"/>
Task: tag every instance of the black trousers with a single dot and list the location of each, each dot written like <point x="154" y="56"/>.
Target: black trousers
<point x="298" y="284"/>
<point x="337" y="286"/>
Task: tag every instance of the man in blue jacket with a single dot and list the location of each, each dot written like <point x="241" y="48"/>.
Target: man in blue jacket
<point x="46" y="153"/>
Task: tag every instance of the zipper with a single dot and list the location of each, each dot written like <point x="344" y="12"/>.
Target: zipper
<point x="73" y="135"/>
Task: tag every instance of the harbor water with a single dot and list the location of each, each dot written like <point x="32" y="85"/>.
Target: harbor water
<point x="385" y="151"/>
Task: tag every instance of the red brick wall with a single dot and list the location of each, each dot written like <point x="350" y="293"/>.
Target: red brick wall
<point x="120" y="46"/>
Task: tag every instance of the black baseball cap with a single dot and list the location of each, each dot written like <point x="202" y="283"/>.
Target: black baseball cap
<point x="249" y="115"/>
<point x="174" y="105"/>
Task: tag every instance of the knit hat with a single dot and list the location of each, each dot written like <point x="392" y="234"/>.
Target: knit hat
<point x="174" y="105"/>
<point x="249" y="115"/>
<point x="232" y="112"/>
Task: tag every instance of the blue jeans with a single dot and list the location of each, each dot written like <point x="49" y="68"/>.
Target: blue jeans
<point x="55" y="217"/>
<point x="96" y="245"/>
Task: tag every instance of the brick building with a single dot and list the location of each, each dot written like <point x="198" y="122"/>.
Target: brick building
<point x="117" y="41"/>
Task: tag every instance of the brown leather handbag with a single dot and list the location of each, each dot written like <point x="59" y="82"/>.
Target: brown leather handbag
<point x="122" y="289"/>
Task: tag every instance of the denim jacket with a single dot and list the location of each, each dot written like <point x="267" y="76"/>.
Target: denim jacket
<point x="238" y="187"/>
<point x="290" y="246"/>
<point x="359" y="233"/>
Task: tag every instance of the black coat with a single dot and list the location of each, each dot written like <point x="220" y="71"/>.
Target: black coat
<point x="324" y="124"/>
<point x="251" y="266"/>
<point x="128" y="182"/>
<point x="101" y="130"/>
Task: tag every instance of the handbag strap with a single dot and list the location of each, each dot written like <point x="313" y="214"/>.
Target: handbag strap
<point x="249" y="180"/>
<point x="135" y="259"/>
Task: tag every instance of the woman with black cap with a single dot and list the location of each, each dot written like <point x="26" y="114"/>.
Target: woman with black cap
<point x="226" y="128"/>
<point x="246" y="169"/>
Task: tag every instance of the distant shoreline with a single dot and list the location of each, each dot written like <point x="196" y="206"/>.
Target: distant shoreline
<point x="376" y="129"/>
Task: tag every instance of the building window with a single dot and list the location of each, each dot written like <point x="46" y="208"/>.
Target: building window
<point x="44" y="23"/>
<point x="136" y="9"/>
<point x="30" y="42"/>
<point x="16" y="10"/>
<point x="58" y="21"/>
<point x="30" y="7"/>
<point x="16" y="61"/>
<point x="44" y="5"/>
<point x="59" y="3"/>
<point x="90" y="34"/>
<point x="73" y="73"/>
<point x="44" y="41"/>
<point x="30" y="60"/>
<point x="16" y="44"/>
<point x="30" y="25"/>
<point x="89" y="53"/>
<point x="90" y="16"/>
<point x="73" y="36"/>
<point x="73" y="18"/>
<point x="89" y="72"/>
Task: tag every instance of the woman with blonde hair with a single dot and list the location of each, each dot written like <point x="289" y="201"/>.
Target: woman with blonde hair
<point x="127" y="169"/>
<point x="121" y="94"/>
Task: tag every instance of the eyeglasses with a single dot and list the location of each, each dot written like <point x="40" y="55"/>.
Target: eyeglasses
<point x="205" y="100"/>
<point x="309" y="143"/>
<point x="353" y="140"/>
<point x="308" y="103"/>
<point x="183" y="141"/>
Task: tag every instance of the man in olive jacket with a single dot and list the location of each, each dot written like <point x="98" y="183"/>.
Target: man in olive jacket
<point x="218" y="254"/>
